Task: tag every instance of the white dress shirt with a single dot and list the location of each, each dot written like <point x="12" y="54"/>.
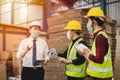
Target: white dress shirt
<point x="41" y="51"/>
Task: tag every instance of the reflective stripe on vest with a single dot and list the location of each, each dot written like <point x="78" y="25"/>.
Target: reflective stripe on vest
<point x="107" y="58"/>
<point x="71" y="69"/>
<point x="105" y="69"/>
<point x="75" y="70"/>
<point x="100" y="69"/>
<point x="72" y="55"/>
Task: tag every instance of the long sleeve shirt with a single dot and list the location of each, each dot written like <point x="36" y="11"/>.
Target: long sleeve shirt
<point x="41" y="51"/>
<point x="101" y="48"/>
<point x="80" y="59"/>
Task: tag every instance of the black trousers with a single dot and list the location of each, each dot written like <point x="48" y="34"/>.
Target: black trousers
<point x="73" y="78"/>
<point x="93" y="78"/>
<point x="33" y="74"/>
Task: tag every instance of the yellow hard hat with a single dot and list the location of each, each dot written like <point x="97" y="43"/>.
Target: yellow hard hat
<point x="73" y="25"/>
<point x="97" y="12"/>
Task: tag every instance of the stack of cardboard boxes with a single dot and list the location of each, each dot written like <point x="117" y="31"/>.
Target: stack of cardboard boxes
<point x="3" y="71"/>
<point x="4" y="56"/>
<point x="110" y="28"/>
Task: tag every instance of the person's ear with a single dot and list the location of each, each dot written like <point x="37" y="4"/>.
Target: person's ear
<point x="95" y="23"/>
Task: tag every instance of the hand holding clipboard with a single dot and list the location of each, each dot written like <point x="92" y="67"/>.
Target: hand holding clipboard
<point x="83" y="50"/>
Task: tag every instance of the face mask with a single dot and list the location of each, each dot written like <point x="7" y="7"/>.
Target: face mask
<point x="35" y="33"/>
<point x="89" y="28"/>
<point x="68" y="35"/>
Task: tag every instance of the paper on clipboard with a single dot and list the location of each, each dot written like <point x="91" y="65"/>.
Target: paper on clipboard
<point x="81" y="47"/>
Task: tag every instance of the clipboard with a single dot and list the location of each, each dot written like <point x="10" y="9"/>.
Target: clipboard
<point x="51" y="53"/>
<point x="53" y="56"/>
<point x="38" y="62"/>
<point x="81" y="47"/>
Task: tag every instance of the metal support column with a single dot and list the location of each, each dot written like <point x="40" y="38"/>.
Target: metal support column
<point x="93" y="3"/>
<point x="47" y="13"/>
<point x="103" y="6"/>
<point x="12" y="12"/>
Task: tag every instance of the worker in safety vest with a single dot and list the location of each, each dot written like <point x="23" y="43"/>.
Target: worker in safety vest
<point x="100" y="62"/>
<point x="75" y="63"/>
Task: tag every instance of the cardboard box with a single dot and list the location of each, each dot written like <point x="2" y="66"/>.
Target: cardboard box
<point x="17" y="65"/>
<point x="4" y="55"/>
<point x="3" y="71"/>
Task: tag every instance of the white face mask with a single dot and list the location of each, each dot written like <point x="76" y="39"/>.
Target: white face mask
<point x="68" y="35"/>
<point x="35" y="33"/>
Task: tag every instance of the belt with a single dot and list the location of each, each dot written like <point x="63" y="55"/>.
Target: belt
<point x="33" y="67"/>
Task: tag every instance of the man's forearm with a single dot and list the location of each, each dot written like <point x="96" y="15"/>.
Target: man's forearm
<point x="23" y="54"/>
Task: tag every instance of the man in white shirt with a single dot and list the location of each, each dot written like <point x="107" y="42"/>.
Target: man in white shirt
<point x="31" y="49"/>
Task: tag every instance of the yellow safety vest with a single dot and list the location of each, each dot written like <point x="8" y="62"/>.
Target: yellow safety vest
<point x="72" y="70"/>
<point x="105" y="69"/>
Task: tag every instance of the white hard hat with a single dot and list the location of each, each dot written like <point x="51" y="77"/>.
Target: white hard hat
<point x="37" y="23"/>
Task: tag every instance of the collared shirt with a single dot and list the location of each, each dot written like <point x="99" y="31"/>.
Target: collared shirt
<point x="41" y="51"/>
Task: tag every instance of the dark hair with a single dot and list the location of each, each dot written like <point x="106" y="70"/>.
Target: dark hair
<point x="99" y="20"/>
<point x="78" y="32"/>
